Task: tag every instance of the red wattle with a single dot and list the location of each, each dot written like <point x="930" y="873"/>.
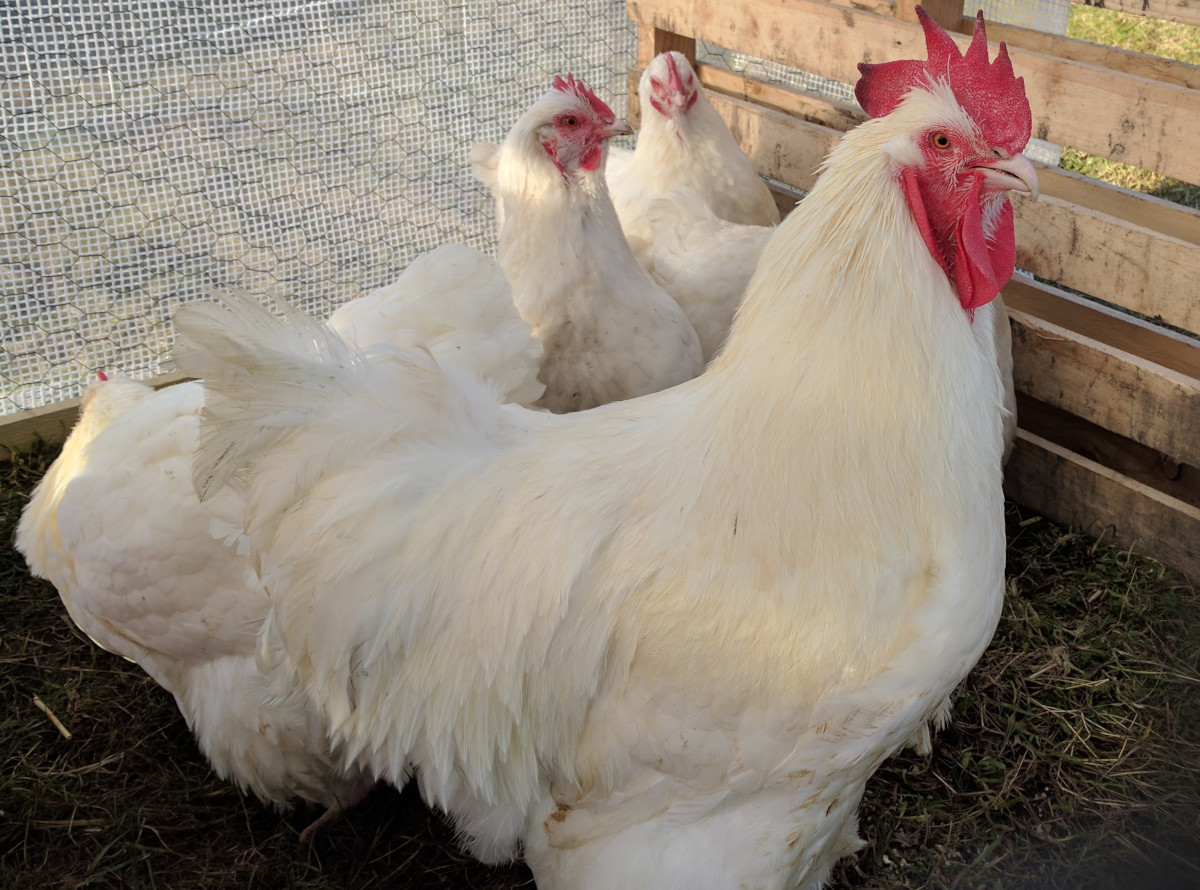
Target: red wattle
<point x="978" y="269"/>
<point x="916" y="206"/>
<point x="592" y="159"/>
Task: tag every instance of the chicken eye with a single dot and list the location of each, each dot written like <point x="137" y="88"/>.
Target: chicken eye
<point x="939" y="140"/>
<point x="570" y="121"/>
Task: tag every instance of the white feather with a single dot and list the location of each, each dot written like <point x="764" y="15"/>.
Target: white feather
<point x="152" y="575"/>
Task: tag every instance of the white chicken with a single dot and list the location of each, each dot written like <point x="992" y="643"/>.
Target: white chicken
<point x="664" y="642"/>
<point x="705" y="261"/>
<point x="153" y="575"/>
<point x="608" y="330"/>
<point x="683" y="143"/>
<point x="458" y="303"/>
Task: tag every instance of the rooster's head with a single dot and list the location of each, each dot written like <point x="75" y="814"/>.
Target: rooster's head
<point x="966" y="121"/>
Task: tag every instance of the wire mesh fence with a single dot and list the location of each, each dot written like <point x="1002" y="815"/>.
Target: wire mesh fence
<point x="152" y="149"/>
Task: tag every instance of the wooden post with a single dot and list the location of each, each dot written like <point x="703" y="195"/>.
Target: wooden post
<point x="654" y="41"/>
<point x="947" y="13"/>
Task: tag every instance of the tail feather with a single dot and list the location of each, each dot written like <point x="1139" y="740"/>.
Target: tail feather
<point x="267" y="378"/>
<point x="484" y="158"/>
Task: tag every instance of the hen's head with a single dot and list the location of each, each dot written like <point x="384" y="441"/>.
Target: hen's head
<point x="573" y="126"/>
<point x="967" y="120"/>
<point x="669" y="86"/>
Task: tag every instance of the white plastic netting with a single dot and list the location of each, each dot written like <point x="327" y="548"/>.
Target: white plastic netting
<point x="150" y="149"/>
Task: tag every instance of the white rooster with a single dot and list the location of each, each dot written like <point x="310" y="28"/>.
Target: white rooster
<point x="609" y="331"/>
<point x="153" y="575"/>
<point x="664" y="642"/>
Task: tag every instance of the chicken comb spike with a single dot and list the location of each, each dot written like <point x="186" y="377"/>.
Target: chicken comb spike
<point x="987" y="91"/>
<point x="581" y="89"/>
<point x="673" y="78"/>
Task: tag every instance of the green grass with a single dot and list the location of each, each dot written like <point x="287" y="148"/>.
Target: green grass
<point x="1072" y="760"/>
<point x="1144" y="35"/>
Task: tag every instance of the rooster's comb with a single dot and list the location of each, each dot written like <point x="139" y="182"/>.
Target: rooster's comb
<point x="987" y="91"/>
<point x="580" y="89"/>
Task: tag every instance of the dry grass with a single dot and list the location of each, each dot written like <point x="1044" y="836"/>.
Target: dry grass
<point x="1071" y="763"/>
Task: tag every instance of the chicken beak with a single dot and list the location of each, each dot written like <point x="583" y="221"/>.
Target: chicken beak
<point x="619" y="127"/>
<point x="1011" y="174"/>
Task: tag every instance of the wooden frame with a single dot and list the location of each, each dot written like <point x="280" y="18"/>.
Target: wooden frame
<point x="1106" y="359"/>
<point x="52" y="423"/>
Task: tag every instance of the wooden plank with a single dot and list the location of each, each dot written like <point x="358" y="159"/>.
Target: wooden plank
<point x="1109" y="58"/>
<point x="947" y="13"/>
<point x="1132" y="250"/>
<point x="53" y="423"/>
<point x="1104" y="324"/>
<point x="879" y="7"/>
<point x="781" y="146"/>
<point x="1130" y="458"/>
<point x="1186" y="11"/>
<point x="1147" y="211"/>
<point x="1071" y="489"/>
<point x="780" y="98"/>
<point x="50" y="423"/>
<point x="1132" y="119"/>
<point x="1105" y="385"/>
<point x="653" y="41"/>
<point x="1108" y="257"/>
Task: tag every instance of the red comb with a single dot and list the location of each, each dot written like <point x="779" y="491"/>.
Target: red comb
<point x="988" y="92"/>
<point x="674" y="79"/>
<point x="579" y="88"/>
<point x="102" y="375"/>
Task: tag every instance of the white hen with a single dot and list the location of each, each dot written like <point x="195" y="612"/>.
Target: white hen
<point x="609" y="331"/>
<point x="683" y="143"/>
<point x="705" y="261"/>
<point x="664" y="642"/>
<point x="457" y="302"/>
<point x="151" y="574"/>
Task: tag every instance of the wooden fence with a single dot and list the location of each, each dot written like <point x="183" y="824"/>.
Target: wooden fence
<point x="1108" y="383"/>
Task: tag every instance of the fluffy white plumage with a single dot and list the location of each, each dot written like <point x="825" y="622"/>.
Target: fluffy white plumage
<point x="609" y="331"/>
<point x="683" y="143"/>
<point x="457" y="302"/>
<point x="705" y="261"/>
<point x="150" y="573"/>
<point x="664" y="642"/>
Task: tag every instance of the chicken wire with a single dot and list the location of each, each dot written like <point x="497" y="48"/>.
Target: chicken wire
<point x="151" y="149"/>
